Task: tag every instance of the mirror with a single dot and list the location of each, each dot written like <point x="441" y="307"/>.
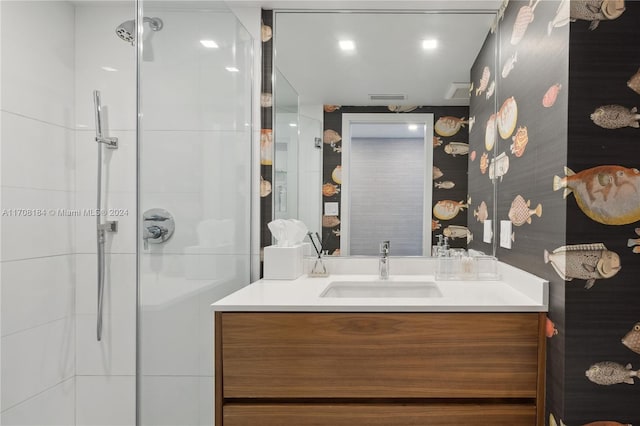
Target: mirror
<point x="392" y="69"/>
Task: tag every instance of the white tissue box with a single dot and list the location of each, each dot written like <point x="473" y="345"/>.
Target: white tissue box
<point x="283" y="263"/>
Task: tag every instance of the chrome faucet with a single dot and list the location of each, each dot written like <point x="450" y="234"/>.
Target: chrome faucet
<point x="384" y="260"/>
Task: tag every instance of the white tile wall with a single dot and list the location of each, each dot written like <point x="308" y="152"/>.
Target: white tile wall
<point x="54" y="406"/>
<point x="36" y="292"/>
<point x="170" y="401"/>
<point x="48" y="44"/>
<point x="37" y="154"/>
<point x="36" y="359"/>
<point x="26" y="237"/>
<point x="105" y="400"/>
<point x="97" y="46"/>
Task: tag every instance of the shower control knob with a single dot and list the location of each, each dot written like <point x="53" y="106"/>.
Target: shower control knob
<point x="158" y="226"/>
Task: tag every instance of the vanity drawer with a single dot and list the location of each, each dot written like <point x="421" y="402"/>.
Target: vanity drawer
<point x="380" y="355"/>
<point x="378" y="415"/>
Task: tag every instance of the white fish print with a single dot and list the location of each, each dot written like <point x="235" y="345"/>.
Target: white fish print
<point x="509" y="65"/>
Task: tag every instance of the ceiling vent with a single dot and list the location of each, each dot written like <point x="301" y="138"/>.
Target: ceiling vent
<point x="388" y="97"/>
<point x="458" y="91"/>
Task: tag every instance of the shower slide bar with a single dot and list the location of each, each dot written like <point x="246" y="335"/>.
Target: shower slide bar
<point x="102" y="226"/>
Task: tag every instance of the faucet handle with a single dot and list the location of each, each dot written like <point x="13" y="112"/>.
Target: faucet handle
<point x="384" y="247"/>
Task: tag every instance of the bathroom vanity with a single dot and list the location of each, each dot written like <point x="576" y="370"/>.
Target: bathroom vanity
<point x="296" y="353"/>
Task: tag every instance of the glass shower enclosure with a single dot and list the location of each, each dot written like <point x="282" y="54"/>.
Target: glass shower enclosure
<point x="133" y="345"/>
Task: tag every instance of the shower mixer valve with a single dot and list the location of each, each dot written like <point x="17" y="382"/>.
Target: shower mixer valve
<point x="158" y="227"/>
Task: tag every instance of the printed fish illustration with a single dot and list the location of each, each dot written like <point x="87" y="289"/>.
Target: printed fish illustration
<point x="266" y="33"/>
<point x="588" y="262"/>
<point x="435" y="225"/>
<point x="551" y="95"/>
<point x="266" y="100"/>
<point x="520" y="140"/>
<point x="448" y="209"/>
<point x="507" y="117"/>
<point x="472" y="121"/>
<point x="490" y="133"/>
<point x="634" y="82"/>
<point x="550" y="329"/>
<point x="608" y="373"/>
<point x="607" y="194"/>
<point x="336" y="175"/>
<point x="562" y="17"/>
<point x="266" y="147"/>
<point x="499" y="166"/>
<point x="632" y="339"/>
<point x="491" y="89"/>
<point x="482" y="213"/>
<point x="615" y="117"/>
<point x="457" y="232"/>
<point x="596" y="11"/>
<point x="447" y="184"/>
<point x="484" y="162"/>
<point x="509" y="65"/>
<point x="456" y="148"/>
<point x="437" y="173"/>
<point x="524" y="18"/>
<point x="448" y="126"/>
<point x="329" y="189"/>
<point x="331" y="108"/>
<point x="484" y="81"/>
<point x="402" y="108"/>
<point x="631" y="242"/>
<point x="520" y="211"/>
<point x="265" y="187"/>
<point x="331" y="136"/>
<point x="552" y="422"/>
<point x="330" y="221"/>
<point x="436" y="141"/>
<point x="472" y="156"/>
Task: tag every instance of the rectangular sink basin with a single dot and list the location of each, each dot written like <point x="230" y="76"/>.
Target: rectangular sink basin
<point x="382" y="289"/>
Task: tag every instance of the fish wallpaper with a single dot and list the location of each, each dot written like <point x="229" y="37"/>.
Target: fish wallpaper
<point x="450" y="153"/>
<point x="563" y="141"/>
<point x="266" y="130"/>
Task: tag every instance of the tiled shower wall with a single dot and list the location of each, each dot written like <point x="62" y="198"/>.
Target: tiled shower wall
<point x="38" y="251"/>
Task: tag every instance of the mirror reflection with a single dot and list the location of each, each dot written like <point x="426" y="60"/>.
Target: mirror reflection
<point x="347" y="63"/>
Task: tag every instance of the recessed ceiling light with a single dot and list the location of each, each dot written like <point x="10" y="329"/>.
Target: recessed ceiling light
<point x="413" y="127"/>
<point x="347" y="44"/>
<point x="431" y="43"/>
<point x="110" y="69"/>
<point x="293" y="125"/>
<point x="232" y="69"/>
<point x="210" y="44"/>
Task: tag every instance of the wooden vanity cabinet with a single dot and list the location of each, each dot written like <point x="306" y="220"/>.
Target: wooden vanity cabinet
<point x="319" y="369"/>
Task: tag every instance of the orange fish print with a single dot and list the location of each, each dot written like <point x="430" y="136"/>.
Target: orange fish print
<point x="607" y="194"/>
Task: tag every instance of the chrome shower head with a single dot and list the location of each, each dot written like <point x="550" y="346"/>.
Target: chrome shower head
<point x="127" y="30"/>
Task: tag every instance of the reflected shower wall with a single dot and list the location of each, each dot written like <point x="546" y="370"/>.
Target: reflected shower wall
<point x="194" y="162"/>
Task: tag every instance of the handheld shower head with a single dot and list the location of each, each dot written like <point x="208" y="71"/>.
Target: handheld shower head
<point x="127" y="30"/>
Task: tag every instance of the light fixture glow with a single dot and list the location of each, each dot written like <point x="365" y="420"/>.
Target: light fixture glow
<point x="293" y="125"/>
<point x="429" y="43"/>
<point x="232" y="69"/>
<point x="347" y="45"/>
<point x="413" y="127"/>
<point x="109" y="69"/>
<point x="209" y="44"/>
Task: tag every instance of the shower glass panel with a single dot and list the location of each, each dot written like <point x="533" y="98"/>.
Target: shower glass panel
<point x="194" y="166"/>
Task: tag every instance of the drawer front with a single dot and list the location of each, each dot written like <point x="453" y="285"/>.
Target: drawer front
<point x="378" y="415"/>
<point x="343" y="355"/>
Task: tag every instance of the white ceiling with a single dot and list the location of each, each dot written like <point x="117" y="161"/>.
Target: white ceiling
<point x="389" y="58"/>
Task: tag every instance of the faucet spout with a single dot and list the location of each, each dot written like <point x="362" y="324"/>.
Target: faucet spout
<point x="383" y="266"/>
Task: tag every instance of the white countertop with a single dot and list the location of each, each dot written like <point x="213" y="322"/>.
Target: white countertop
<point x="517" y="291"/>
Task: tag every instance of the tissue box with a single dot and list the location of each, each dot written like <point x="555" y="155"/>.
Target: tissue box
<point x="283" y="263"/>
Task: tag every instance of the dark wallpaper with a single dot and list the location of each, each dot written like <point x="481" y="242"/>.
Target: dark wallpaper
<point x="266" y="130"/>
<point x="576" y="85"/>
<point x="449" y="191"/>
